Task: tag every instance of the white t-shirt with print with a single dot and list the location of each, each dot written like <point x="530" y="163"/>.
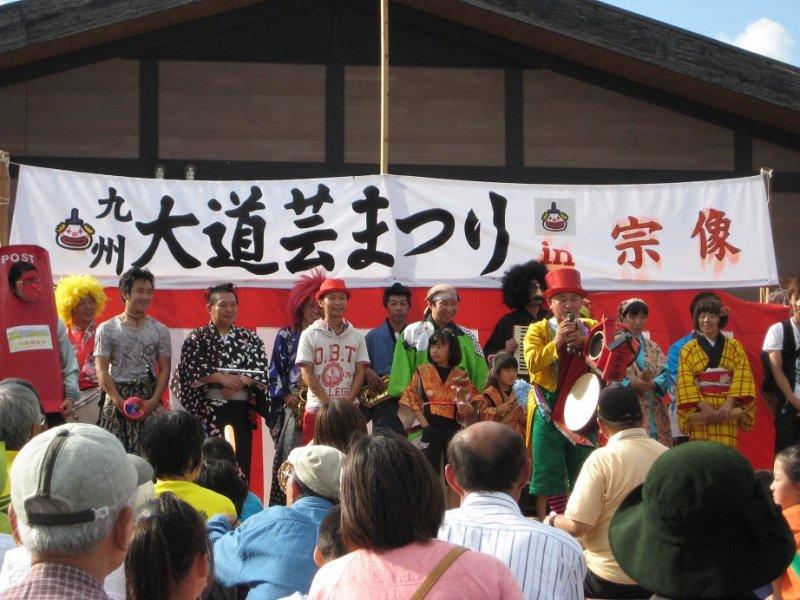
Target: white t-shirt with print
<point x="774" y="341"/>
<point x="334" y="358"/>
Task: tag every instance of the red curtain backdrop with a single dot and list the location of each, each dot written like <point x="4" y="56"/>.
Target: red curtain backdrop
<point x="480" y="309"/>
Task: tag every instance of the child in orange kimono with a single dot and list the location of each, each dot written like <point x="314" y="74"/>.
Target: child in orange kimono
<point x="441" y="396"/>
<point x="786" y="494"/>
<point x="501" y="402"/>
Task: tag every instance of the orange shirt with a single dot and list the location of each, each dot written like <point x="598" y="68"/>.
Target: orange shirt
<point x="440" y="396"/>
<point x="790" y="581"/>
<point x="515" y="418"/>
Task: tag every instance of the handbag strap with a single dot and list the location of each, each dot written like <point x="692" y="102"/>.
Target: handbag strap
<point x="437" y="572"/>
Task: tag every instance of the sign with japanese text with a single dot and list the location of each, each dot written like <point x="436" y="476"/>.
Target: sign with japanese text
<point x="372" y="230"/>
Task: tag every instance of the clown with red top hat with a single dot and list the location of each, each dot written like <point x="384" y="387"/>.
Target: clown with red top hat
<point x="557" y="459"/>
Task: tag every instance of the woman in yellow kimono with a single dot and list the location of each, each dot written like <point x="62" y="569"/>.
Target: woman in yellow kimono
<point x="714" y="378"/>
<point x="442" y="396"/>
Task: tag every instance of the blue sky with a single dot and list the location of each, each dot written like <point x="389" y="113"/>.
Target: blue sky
<point x="769" y="27"/>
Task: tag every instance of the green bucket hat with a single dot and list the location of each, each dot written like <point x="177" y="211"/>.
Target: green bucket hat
<point x="701" y="526"/>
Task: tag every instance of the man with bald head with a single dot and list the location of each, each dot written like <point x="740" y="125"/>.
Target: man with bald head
<point x="488" y="466"/>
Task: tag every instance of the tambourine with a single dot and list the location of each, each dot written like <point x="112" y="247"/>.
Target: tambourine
<point x="580" y="408"/>
<point x="133" y="408"/>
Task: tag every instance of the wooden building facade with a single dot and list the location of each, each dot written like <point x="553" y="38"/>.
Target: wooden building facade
<point x="544" y="91"/>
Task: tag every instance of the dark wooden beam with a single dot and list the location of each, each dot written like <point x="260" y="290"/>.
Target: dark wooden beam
<point x="514" y="118"/>
<point x="148" y="108"/>
<point x="742" y="150"/>
<point x="334" y="93"/>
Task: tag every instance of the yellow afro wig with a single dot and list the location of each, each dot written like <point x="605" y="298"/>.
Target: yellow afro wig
<point x="74" y="288"/>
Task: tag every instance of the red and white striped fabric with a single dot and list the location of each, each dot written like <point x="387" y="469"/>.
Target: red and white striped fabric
<point x="714" y="381"/>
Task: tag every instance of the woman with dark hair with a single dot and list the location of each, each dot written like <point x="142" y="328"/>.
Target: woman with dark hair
<point x="714" y="378"/>
<point x="501" y="402"/>
<point x="222" y="376"/>
<point x="648" y="374"/>
<point x="169" y="557"/>
<point x="786" y="494"/>
<point x="441" y="395"/>
<point x="218" y="448"/>
<point x="221" y="476"/>
<point x="338" y="423"/>
<point x="392" y="508"/>
<point x="284" y="375"/>
<point x="522" y="286"/>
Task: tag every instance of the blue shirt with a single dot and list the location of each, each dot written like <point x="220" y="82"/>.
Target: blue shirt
<point x="252" y="506"/>
<point x="272" y="552"/>
<point x="380" y="347"/>
<point x="674" y="353"/>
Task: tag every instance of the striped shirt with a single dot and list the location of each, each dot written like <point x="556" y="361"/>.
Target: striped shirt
<point x="55" y="581"/>
<point x="546" y="562"/>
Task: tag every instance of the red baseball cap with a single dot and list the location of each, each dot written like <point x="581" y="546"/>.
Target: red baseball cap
<point x="331" y="285"/>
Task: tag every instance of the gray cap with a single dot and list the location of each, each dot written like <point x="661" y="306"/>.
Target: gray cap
<point x="73" y="474"/>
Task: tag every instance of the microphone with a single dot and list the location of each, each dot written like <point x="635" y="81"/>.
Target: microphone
<point x="571" y="317"/>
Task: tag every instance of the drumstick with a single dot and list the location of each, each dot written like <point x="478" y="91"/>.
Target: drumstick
<point x="736" y="413"/>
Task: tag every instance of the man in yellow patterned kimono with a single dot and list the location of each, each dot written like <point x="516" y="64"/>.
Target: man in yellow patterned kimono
<point x="714" y="379"/>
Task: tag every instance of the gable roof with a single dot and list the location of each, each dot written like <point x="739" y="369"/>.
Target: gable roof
<point x="587" y="32"/>
<point x="640" y="49"/>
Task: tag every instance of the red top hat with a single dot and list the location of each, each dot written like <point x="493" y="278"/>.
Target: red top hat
<point x="331" y="285"/>
<point x="563" y="280"/>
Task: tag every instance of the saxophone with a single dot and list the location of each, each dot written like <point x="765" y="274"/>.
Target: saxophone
<point x="302" y="393"/>
<point x="372" y="395"/>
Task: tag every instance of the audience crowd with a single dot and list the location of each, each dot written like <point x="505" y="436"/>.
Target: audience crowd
<point x="649" y="499"/>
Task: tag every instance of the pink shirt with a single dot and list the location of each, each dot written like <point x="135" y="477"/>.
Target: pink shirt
<point x="396" y="575"/>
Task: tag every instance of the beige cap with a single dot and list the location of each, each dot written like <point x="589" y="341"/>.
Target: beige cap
<point x="319" y="468"/>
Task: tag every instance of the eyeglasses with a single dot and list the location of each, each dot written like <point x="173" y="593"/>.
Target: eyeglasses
<point x="284" y="472"/>
<point x="43" y="422"/>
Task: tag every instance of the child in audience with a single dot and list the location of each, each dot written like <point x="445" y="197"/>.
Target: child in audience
<point x="442" y="396"/>
<point x="220" y="448"/>
<point x="169" y="556"/>
<point x="329" y="543"/>
<point x="338" y="423"/>
<point x="172" y="442"/>
<point x="221" y="477"/>
<point x="501" y="402"/>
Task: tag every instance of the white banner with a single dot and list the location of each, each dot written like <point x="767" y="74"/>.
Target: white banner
<point x="372" y="230"/>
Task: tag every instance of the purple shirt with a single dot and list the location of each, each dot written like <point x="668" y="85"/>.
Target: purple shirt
<point x="397" y="574"/>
